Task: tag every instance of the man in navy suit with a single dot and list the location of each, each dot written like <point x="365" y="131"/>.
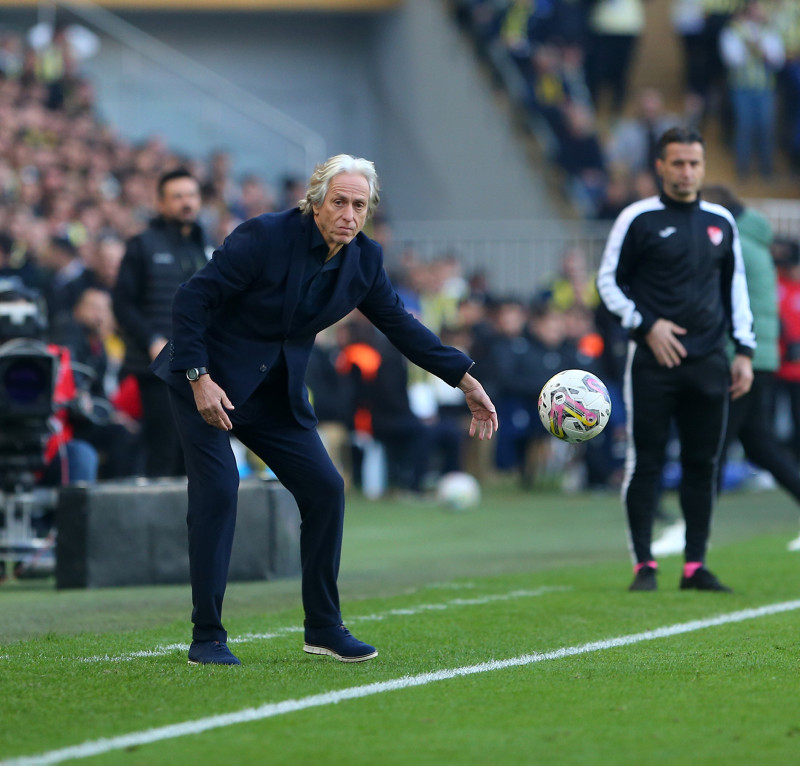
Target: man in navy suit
<point x="243" y="328"/>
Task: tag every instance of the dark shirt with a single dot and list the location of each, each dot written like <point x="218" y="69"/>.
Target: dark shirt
<point x="319" y="280"/>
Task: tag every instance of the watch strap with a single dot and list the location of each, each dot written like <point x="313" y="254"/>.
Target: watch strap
<point x="194" y="373"/>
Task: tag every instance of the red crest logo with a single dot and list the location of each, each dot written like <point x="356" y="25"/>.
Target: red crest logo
<point x="715" y="235"/>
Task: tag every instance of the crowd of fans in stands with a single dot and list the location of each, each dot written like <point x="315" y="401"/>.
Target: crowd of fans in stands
<point x="72" y="192"/>
<point x="566" y="61"/>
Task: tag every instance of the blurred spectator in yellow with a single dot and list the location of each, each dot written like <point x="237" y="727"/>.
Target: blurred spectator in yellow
<point x="753" y="52"/>
<point x="574" y="284"/>
<point x="614" y="27"/>
<point x="688" y="21"/>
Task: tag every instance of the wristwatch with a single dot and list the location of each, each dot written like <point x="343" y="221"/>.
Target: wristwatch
<point x="193" y="373"/>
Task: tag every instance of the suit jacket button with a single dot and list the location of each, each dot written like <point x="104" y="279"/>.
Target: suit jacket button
<point x="263" y="368"/>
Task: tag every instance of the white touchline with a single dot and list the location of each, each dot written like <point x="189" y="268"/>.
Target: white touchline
<point x="273" y="709"/>
<point x="160" y="651"/>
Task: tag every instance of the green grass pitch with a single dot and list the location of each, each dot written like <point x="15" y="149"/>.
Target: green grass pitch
<point x="496" y="629"/>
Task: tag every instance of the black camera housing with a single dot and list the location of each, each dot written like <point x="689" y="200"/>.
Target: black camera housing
<point x="28" y="372"/>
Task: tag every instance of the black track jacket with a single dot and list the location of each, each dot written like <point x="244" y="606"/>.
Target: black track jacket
<point x="683" y="262"/>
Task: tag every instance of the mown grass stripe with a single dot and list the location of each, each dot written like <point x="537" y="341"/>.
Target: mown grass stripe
<point x="273" y="709"/>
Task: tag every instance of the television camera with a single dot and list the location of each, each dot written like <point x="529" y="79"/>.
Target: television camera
<point x="28" y="373"/>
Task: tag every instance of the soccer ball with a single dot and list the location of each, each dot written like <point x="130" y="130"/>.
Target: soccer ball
<point x="458" y="490"/>
<point x="574" y="406"/>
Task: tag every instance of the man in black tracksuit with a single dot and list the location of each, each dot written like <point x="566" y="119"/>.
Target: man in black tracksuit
<point x="672" y="271"/>
<point x="156" y="262"/>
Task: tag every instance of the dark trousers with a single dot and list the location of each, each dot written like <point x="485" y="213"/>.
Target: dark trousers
<point x="160" y="442"/>
<point x="694" y="396"/>
<point x="263" y="424"/>
<point x="608" y="63"/>
<point x="790" y="390"/>
<point x="408" y="443"/>
<point x="750" y="421"/>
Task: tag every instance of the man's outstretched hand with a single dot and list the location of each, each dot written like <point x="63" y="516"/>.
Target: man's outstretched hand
<point x="484" y="415"/>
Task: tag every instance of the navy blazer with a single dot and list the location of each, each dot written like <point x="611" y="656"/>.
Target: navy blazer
<point x="234" y="315"/>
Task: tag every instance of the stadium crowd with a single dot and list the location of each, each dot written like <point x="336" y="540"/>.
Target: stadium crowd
<point x="568" y="64"/>
<point x="74" y="193"/>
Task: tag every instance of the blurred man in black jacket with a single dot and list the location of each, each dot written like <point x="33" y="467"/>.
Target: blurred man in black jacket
<point x="156" y="262"/>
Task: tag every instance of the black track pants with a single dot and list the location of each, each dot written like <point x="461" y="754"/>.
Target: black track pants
<point x="750" y="420"/>
<point x="693" y="396"/>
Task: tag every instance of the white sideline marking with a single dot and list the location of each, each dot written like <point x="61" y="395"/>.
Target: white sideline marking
<point x="273" y="709"/>
<point x="160" y="651"/>
<point x="477" y="601"/>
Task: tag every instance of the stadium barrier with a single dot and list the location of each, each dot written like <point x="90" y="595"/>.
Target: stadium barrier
<point x="134" y="533"/>
<point x="519" y="256"/>
<point x="515" y="256"/>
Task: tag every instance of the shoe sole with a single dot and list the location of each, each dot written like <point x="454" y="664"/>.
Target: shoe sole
<point x="323" y="650"/>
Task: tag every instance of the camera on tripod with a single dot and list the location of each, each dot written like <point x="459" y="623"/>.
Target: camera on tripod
<point x="28" y="372"/>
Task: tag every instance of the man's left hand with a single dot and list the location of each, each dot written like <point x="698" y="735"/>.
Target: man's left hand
<point x="212" y="403"/>
<point x="741" y="375"/>
<point x="484" y="415"/>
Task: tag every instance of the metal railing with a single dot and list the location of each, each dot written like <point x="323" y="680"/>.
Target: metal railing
<point x="515" y="256"/>
<point x="518" y="256"/>
<point x="783" y="214"/>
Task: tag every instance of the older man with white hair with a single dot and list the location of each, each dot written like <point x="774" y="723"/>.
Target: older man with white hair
<point x="243" y="329"/>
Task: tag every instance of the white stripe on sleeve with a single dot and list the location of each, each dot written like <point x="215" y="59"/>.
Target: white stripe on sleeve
<point x="612" y="295"/>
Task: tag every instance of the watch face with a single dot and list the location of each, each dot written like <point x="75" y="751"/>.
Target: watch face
<point x="192" y="373"/>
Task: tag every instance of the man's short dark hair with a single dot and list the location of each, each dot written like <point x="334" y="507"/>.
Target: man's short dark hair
<point x="171" y="176"/>
<point x="677" y="135"/>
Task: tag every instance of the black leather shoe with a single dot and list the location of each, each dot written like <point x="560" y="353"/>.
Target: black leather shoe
<point x="211" y="653"/>
<point x="337" y="641"/>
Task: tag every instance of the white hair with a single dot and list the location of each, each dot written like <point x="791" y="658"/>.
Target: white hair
<point x="342" y="163"/>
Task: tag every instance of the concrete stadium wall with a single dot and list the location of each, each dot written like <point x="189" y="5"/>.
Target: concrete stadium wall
<point x="443" y="139"/>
